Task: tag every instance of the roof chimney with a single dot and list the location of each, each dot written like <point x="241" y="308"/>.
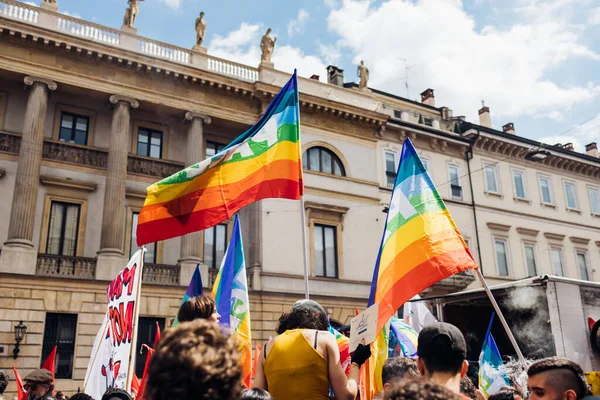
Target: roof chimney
<point x="591" y="149"/>
<point x="509" y="128"/>
<point x="335" y="75"/>
<point x="446" y="114"/>
<point x="428" y="98"/>
<point x="315" y="77"/>
<point x="569" y="146"/>
<point x="484" y="117"/>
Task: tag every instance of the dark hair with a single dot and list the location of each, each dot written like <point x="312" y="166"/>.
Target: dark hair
<point x="116" y="393"/>
<point x="256" y="394"/>
<point x="3" y="382"/>
<point x="506" y="393"/>
<point x="209" y="356"/>
<point x="80" y="396"/>
<point x="421" y="390"/>
<point x="449" y="362"/>
<point x="302" y="318"/>
<point x="397" y="368"/>
<point x="570" y="376"/>
<point x="468" y="388"/>
<point x="197" y="307"/>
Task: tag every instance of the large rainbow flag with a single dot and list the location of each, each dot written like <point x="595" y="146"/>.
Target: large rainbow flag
<point x="264" y="162"/>
<point x="231" y="295"/>
<point x="421" y="245"/>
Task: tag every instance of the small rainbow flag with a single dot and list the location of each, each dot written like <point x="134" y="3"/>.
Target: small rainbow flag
<point x="264" y="162"/>
<point x="231" y="295"/>
<point x="343" y="343"/>
<point x="194" y="289"/>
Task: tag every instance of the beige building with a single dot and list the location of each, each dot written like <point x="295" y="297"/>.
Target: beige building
<point x="91" y="115"/>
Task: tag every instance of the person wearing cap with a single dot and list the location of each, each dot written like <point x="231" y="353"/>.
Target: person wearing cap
<point x="303" y="361"/>
<point x="442" y="352"/>
<point x="116" y="394"/>
<point x="38" y="385"/>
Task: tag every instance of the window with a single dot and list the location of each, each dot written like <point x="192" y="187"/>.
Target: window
<point x="398" y="114"/>
<point x="323" y="160"/>
<point x="545" y="190"/>
<point x="501" y="256"/>
<point x="557" y="262"/>
<point x="425" y="162"/>
<point x="390" y="169"/>
<point x="215" y="244"/>
<point x="63" y="229"/>
<point x="326" y="250"/>
<point x="427" y="121"/>
<point x="74" y="128"/>
<point x="530" y="262"/>
<point x="571" y="196"/>
<point x="455" y="188"/>
<point x="519" y="183"/>
<point x="491" y="178"/>
<point x="145" y="335"/>
<point x="213" y="148"/>
<point x="594" y="200"/>
<point x="150" y="254"/>
<point x="60" y="332"/>
<point x="582" y="265"/>
<point x="149" y="143"/>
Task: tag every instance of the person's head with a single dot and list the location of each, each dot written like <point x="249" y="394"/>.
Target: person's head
<point x="198" y="307"/>
<point x="195" y="360"/>
<point x="419" y="390"/>
<point x="268" y="30"/>
<point x="60" y="395"/>
<point x="398" y="369"/>
<point x="305" y="314"/>
<point x="467" y="388"/>
<point x="442" y="350"/>
<point x="556" y="378"/>
<point x="507" y="393"/>
<point x="81" y="396"/>
<point x="116" y="394"/>
<point x="3" y="382"/>
<point x="256" y="394"/>
<point x="38" y="383"/>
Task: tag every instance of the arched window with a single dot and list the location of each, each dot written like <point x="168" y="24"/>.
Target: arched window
<point x="323" y="160"/>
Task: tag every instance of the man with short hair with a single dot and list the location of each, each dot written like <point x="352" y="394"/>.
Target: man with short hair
<point x="396" y="370"/>
<point x="38" y="385"/>
<point x="442" y="352"/>
<point x="556" y="378"/>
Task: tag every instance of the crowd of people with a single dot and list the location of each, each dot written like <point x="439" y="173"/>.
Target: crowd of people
<point x="198" y="359"/>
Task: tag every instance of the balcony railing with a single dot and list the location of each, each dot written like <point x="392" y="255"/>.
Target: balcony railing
<point x="161" y="274"/>
<point x="10" y="142"/>
<point x="66" y="266"/>
<point x="88" y="30"/>
<point x="19" y="11"/>
<point x="230" y="68"/>
<point x="152" y="166"/>
<point x="74" y="153"/>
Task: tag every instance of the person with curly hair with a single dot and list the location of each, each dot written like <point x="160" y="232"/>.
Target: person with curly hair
<point x="195" y="360"/>
<point x="3" y="384"/>
<point x="420" y="390"/>
<point x="198" y="307"/>
<point x="556" y="378"/>
<point x="303" y="361"/>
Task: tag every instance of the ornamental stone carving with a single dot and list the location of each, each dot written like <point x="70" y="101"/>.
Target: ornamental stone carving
<point x="116" y="98"/>
<point x="190" y="115"/>
<point x="31" y="80"/>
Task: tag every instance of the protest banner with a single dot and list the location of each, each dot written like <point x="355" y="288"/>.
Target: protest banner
<point x="112" y="360"/>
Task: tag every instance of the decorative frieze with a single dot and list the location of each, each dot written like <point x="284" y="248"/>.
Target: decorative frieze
<point x="10" y="143"/>
<point x="152" y="167"/>
<point x="72" y="153"/>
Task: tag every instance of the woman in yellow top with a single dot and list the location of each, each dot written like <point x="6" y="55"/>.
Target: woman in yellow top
<point x="303" y="361"/>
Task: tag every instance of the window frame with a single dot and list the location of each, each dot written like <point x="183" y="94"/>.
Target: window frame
<point x="150" y="134"/>
<point x="533" y="245"/>
<point x="3" y="108"/>
<point x="550" y="190"/>
<point x="576" y="197"/>
<point x="562" y="260"/>
<point x="504" y="240"/>
<point x="75" y="118"/>
<point x="515" y="171"/>
<point x="81" y="230"/>
<point x="214" y="255"/>
<point x="591" y="188"/>
<point x="487" y="164"/>
<point x="335" y="157"/>
<point x="387" y="174"/>
<point x="48" y="346"/>
<point x="426" y="161"/>
<point x="63" y="228"/>
<point x="137" y="207"/>
<point x="148" y="125"/>
<point x="131" y="241"/>
<point x="458" y="169"/>
<point x="333" y="228"/>
<point x="216" y="144"/>
<point x="78" y="111"/>
<point x="584" y="253"/>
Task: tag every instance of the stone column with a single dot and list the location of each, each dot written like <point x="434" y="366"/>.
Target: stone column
<point x="18" y="251"/>
<point x="191" y="243"/>
<point x="110" y="256"/>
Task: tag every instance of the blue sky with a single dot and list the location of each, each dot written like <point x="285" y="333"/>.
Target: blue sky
<point x="534" y="62"/>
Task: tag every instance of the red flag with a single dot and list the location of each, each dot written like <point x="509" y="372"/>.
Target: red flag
<point x="257" y="350"/>
<point x="356" y="311"/>
<point x="50" y="363"/>
<point x="591" y="322"/>
<point x="135" y="386"/>
<point x="20" y="391"/>
<point x="140" y="395"/>
<point x="157" y="335"/>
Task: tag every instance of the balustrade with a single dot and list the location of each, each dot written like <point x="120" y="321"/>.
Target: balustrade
<point x="233" y="69"/>
<point x="161" y="274"/>
<point x="19" y="11"/>
<point x="66" y="266"/>
<point x="86" y="30"/>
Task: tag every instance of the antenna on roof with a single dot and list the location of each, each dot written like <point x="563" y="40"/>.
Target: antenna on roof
<point x="406" y="68"/>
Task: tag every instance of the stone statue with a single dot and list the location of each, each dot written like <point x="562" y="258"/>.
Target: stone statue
<point x="200" y="29"/>
<point x="50" y="5"/>
<point x="131" y="13"/>
<point x="363" y="73"/>
<point x="51" y="1"/>
<point x="267" y="44"/>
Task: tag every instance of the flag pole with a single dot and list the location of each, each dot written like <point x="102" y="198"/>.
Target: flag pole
<point x="305" y="246"/>
<point x="136" y="316"/>
<point x="512" y="339"/>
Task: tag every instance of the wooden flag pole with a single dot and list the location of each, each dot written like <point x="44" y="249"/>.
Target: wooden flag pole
<point x="136" y="316"/>
<point x="305" y="244"/>
<point x="512" y="339"/>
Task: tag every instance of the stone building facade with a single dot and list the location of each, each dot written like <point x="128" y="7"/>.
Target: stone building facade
<point x="90" y="116"/>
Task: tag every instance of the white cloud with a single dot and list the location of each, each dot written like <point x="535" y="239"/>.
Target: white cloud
<point x="505" y="66"/>
<point x="580" y="135"/>
<point x="594" y="18"/>
<point x="296" y="26"/>
<point x="331" y="54"/>
<point x="174" y="4"/>
<point x="243" y="46"/>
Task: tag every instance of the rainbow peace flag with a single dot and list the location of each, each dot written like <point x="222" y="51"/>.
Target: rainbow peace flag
<point x="194" y="289"/>
<point x="403" y="339"/>
<point x="231" y="295"/>
<point x="343" y="343"/>
<point x="264" y="162"/>
<point x="492" y="374"/>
